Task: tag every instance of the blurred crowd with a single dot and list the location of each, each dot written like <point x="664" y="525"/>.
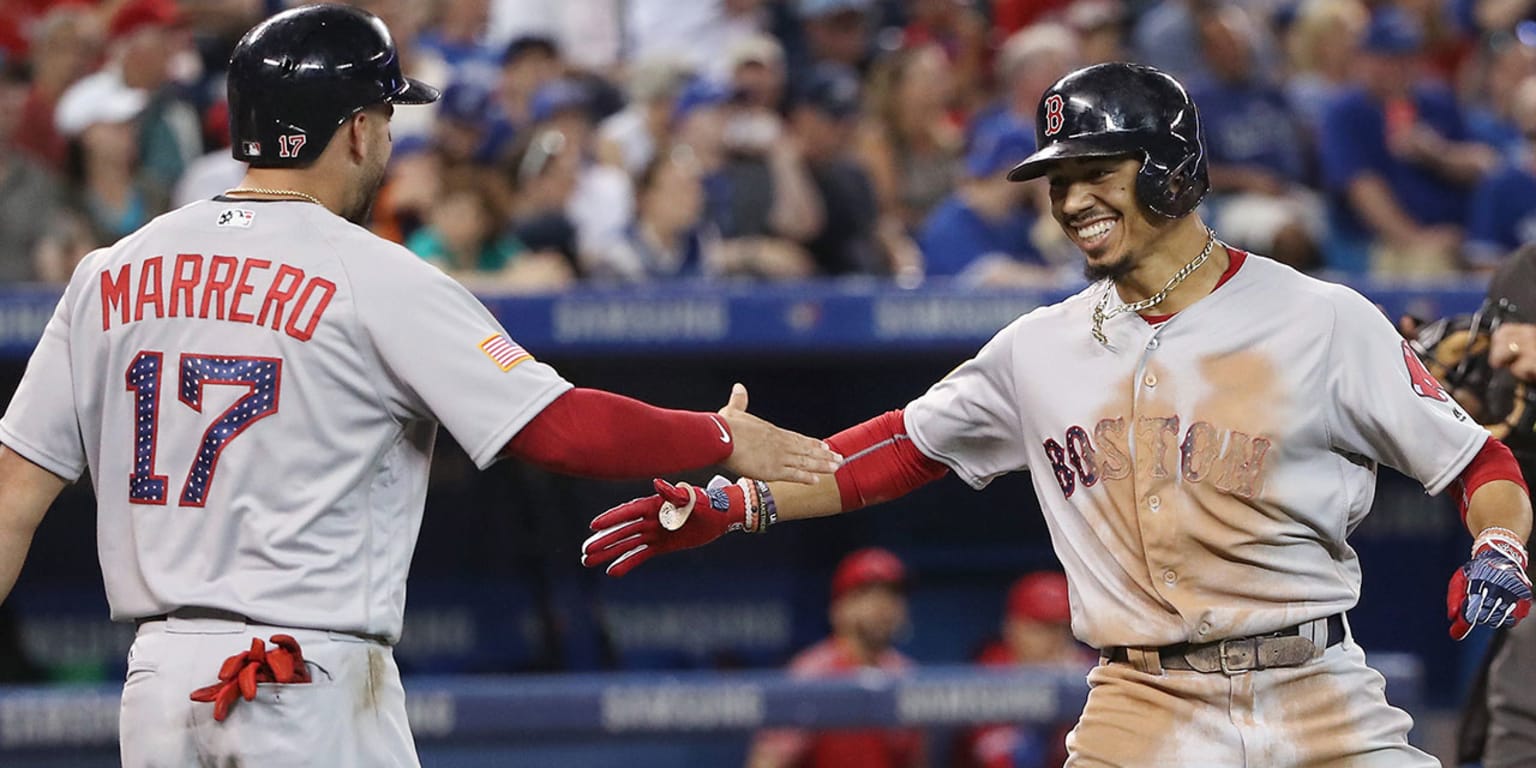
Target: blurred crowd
<point x="595" y="140"/>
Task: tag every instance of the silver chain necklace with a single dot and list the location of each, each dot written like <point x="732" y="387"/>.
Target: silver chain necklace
<point x="1100" y="316"/>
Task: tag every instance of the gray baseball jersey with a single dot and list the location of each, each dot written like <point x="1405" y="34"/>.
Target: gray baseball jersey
<point x="255" y="388"/>
<point x="1199" y="476"/>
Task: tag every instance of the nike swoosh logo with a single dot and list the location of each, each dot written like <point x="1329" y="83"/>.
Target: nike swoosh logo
<point x="725" y="437"/>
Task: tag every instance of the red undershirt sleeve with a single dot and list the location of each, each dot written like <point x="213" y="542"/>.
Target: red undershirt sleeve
<point x="880" y="462"/>
<point x="1493" y="462"/>
<point x="592" y="433"/>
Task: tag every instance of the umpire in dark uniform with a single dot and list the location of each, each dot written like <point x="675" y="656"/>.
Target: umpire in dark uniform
<point x="1498" y="724"/>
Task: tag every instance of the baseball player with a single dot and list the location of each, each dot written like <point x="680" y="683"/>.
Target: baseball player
<point x="867" y="611"/>
<point x="1203" y="428"/>
<point x="255" y="383"/>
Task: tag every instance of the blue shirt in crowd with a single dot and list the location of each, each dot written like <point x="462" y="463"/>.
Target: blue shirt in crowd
<point x="956" y="235"/>
<point x="1354" y="142"/>
<point x="1250" y="124"/>
<point x="1504" y="211"/>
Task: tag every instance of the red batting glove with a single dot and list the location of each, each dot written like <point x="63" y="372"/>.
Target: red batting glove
<point x="240" y="673"/>
<point x="631" y="533"/>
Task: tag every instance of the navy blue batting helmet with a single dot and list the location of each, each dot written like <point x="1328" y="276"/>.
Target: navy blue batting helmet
<point x="1114" y="109"/>
<point x="296" y="77"/>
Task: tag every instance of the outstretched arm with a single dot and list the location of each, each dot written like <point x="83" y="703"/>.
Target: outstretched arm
<point x="26" y="491"/>
<point x="881" y="464"/>
<point x="593" y="433"/>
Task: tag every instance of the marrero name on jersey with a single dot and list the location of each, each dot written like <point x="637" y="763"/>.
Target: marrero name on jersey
<point x="1202" y="427"/>
<point x="240" y="290"/>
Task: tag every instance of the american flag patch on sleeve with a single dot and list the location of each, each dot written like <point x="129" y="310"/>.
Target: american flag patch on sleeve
<point x="503" y="351"/>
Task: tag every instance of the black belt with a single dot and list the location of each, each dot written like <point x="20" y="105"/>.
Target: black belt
<point x="222" y="615"/>
<point x="196" y="613"/>
<point x="1286" y="648"/>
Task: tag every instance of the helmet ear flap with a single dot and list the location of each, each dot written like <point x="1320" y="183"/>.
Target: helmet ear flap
<point x="1173" y="192"/>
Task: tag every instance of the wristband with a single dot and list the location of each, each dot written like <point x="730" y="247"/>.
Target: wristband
<point x="770" y="510"/>
<point x="1504" y="541"/>
<point x="761" y="510"/>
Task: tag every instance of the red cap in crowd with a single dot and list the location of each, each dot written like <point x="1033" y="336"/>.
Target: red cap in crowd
<point x="1040" y="596"/>
<point x="13" y="44"/>
<point x="135" y="15"/>
<point x="863" y="567"/>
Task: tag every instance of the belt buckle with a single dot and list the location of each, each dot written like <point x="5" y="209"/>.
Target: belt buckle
<point x="1221" y="655"/>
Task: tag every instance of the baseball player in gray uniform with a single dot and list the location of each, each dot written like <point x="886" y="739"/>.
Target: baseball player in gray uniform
<point x="255" y="383"/>
<point x="1203" y="428"/>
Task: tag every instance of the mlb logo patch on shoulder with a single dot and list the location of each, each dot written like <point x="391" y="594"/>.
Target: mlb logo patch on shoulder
<point x="503" y="351"/>
<point x="236" y="217"/>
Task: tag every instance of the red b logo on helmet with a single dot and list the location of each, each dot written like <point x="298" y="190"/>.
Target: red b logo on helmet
<point x="1053" y="118"/>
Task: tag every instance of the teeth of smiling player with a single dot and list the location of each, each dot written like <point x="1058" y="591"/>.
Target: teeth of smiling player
<point x="1095" y="229"/>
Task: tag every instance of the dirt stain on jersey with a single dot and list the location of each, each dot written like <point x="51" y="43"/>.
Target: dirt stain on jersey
<point x="1117" y="459"/>
<point x="1224" y="520"/>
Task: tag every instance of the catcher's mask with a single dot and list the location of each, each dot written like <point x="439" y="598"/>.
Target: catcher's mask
<point x="1455" y="349"/>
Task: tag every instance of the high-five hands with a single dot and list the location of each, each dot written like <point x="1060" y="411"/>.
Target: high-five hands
<point x="677" y="517"/>
<point x="769" y="453"/>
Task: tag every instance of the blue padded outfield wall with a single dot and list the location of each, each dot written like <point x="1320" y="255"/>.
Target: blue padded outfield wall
<point x="496" y="588"/>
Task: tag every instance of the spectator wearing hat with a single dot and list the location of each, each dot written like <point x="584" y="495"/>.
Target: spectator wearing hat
<point x="1395" y="156"/>
<point x="108" y="197"/>
<point x="145" y="38"/>
<point x="65" y="44"/>
<point x="755" y="72"/>
<point x="1036" y="632"/>
<point x="981" y="232"/>
<point x="868" y="609"/>
<point x="29" y="192"/>
<point x="853" y="238"/>
<point x="762" y="197"/>
<point x="505" y="111"/>
<point x="1255" y="147"/>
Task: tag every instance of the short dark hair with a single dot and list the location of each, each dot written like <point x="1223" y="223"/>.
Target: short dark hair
<point x="526" y="44"/>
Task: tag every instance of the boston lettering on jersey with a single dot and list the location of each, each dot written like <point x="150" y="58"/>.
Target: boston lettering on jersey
<point x="217" y="287"/>
<point x="1228" y="459"/>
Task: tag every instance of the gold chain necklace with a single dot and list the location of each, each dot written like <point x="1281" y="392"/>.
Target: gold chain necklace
<point x="279" y="192"/>
<point x="1100" y="316"/>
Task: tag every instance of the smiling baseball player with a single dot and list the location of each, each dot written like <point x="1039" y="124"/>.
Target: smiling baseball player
<point x="255" y="383"/>
<point x="1203" y="428"/>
